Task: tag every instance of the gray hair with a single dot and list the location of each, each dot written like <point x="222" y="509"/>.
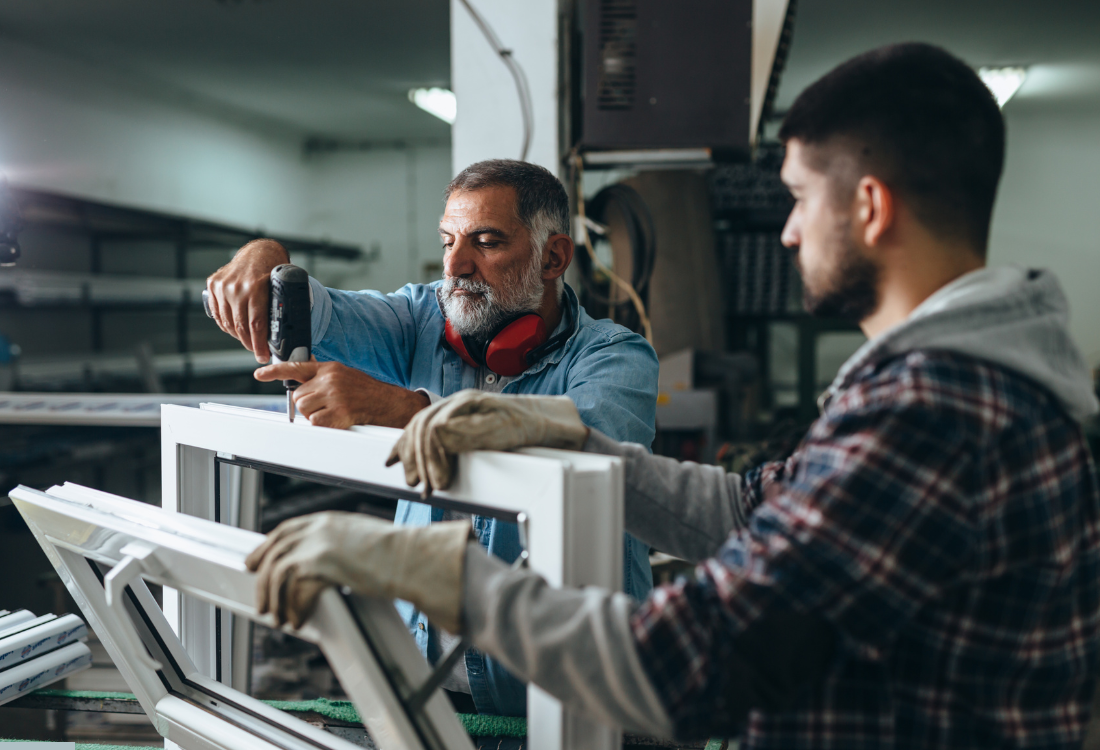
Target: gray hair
<point x="542" y="205"/>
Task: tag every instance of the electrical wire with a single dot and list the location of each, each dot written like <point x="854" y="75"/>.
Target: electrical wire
<point x="631" y="292"/>
<point x="638" y="223"/>
<point x="522" y="88"/>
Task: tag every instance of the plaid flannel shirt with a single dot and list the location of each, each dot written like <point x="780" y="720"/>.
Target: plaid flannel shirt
<point x="942" y="514"/>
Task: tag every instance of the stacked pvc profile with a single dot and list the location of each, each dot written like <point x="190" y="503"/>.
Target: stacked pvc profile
<point x="36" y="651"/>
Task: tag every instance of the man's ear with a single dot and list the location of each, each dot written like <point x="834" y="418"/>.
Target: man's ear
<point x="874" y="210"/>
<point x="557" y="256"/>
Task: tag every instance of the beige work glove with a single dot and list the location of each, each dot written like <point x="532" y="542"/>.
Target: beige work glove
<point x="475" y="420"/>
<point x="303" y="556"/>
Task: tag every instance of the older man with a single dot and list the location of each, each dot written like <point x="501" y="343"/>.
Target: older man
<point x="501" y="320"/>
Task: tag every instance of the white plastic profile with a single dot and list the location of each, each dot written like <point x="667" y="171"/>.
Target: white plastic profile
<point x="128" y="570"/>
<point x="572" y="502"/>
<point x="90" y="535"/>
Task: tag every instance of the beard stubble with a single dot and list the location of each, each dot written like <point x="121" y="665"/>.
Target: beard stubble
<point x="848" y="289"/>
<point x="477" y="314"/>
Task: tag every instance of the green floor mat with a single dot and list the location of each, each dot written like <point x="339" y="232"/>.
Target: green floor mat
<point x="88" y="746"/>
<point x="476" y="725"/>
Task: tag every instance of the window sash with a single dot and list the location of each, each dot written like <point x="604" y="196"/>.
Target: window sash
<point x="572" y="503"/>
<point x="87" y="534"/>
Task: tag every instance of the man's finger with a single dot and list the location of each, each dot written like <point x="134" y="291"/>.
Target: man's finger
<point x="421" y="463"/>
<point x="308" y="400"/>
<point x="440" y="464"/>
<point x="410" y="458"/>
<point x="280" y="532"/>
<point x="324" y="417"/>
<point x="264" y="585"/>
<point x="225" y="315"/>
<point x="276" y="594"/>
<point x="267" y="567"/>
<point x="302" y="595"/>
<point x="258" y="324"/>
<point x="279" y="583"/>
<point x="412" y="471"/>
<point x="213" y="308"/>
<point x="300" y="371"/>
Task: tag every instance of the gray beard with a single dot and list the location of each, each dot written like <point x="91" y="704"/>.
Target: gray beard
<point x="478" y="314"/>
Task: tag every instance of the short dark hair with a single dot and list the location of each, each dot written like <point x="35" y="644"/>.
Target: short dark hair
<point x="922" y="121"/>
<point x="542" y="204"/>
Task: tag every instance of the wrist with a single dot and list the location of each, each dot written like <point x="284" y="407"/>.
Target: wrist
<point x="415" y="402"/>
<point x="403" y="404"/>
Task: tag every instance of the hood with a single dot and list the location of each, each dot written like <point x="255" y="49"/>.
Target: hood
<point x="1013" y="317"/>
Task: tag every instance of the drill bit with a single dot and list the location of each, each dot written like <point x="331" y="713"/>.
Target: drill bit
<point x="290" y="404"/>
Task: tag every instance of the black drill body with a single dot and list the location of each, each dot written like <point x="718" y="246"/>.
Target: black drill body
<point x="289" y="335"/>
<point x="289" y="321"/>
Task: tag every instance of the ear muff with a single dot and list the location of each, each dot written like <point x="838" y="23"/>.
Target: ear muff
<point x="506" y="350"/>
<point x="455" y="341"/>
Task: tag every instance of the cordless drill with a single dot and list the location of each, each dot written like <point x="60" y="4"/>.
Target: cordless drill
<point x="288" y="328"/>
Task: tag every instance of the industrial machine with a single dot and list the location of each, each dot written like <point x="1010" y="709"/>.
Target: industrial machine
<point x="643" y="84"/>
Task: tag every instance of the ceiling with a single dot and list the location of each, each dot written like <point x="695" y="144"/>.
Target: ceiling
<point x="328" y="68"/>
<point x="341" y="68"/>
<point x="1059" y="39"/>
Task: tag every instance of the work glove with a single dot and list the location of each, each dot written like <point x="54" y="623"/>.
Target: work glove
<point x="475" y="420"/>
<point x="305" y="555"/>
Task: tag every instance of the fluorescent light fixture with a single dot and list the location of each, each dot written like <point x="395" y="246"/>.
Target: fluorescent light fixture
<point x="1003" y="82"/>
<point x="655" y="156"/>
<point x="438" y="102"/>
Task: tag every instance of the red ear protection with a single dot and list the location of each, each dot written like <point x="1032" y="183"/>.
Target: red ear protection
<point x="506" y="350"/>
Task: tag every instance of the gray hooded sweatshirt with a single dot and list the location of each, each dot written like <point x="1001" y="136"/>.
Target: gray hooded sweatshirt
<point x="578" y="645"/>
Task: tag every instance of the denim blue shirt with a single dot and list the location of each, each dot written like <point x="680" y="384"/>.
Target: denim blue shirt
<point x="609" y="372"/>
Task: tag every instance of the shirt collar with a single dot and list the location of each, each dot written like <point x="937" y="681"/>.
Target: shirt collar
<point x="570" y="317"/>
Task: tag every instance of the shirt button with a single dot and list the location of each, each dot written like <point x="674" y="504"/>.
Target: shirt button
<point x="490" y="378"/>
<point x="420" y="625"/>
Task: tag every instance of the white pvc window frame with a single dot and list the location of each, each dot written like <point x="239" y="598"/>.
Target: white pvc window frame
<point x="572" y="503"/>
<point x="106" y="548"/>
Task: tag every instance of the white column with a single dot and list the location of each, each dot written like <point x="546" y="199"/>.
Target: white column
<point x="489" y="123"/>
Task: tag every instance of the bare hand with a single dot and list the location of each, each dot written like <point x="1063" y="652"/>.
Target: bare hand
<point x="335" y="395"/>
<point x="239" y="294"/>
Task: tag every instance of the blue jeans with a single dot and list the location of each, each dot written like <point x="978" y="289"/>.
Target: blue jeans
<point x="494" y="689"/>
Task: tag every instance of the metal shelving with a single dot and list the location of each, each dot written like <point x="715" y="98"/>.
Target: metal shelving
<point x="104" y="315"/>
<point x="108" y="222"/>
<point x="751" y="205"/>
<point x="168" y="285"/>
<point x="32" y="288"/>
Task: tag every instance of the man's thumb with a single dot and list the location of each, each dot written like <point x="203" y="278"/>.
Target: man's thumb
<point x="300" y="371"/>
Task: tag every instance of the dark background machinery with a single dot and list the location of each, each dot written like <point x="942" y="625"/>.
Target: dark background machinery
<point x="655" y="74"/>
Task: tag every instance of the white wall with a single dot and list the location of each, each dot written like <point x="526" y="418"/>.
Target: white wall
<point x="96" y="133"/>
<point x="489" y="123"/>
<point x="388" y="199"/>
<point x="79" y="130"/>
<point x="1048" y="208"/>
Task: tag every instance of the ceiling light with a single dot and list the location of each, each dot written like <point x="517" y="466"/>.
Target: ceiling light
<point x="1003" y="82"/>
<point x="438" y="102"/>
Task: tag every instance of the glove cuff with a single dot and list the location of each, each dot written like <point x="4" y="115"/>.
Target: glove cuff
<point x="562" y="424"/>
<point x="438" y="552"/>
